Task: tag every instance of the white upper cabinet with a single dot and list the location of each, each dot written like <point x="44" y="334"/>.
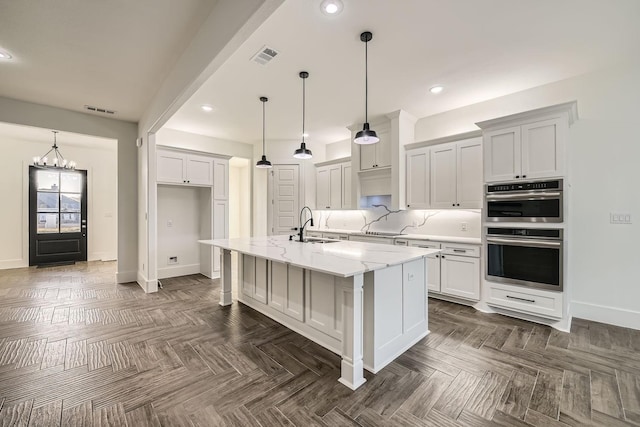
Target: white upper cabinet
<point x="347" y="202"/>
<point x="332" y="186"/>
<point x="524" y="152"/>
<point x="443" y="176"/>
<point x="529" y="145"/>
<point x="417" y="171"/>
<point x="221" y="179"/>
<point x="376" y="155"/>
<point x="177" y="167"/>
<point x="542" y="153"/>
<point x="171" y="167"/>
<point x="469" y="174"/>
<point x="199" y="170"/>
<point x="446" y="175"/>
<point x="502" y="154"/>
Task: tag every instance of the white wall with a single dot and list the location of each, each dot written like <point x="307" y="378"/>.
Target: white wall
<point x="101" y="165"/>
<point x="338" y="150"/>
<point x="29" y="114"/>
<point x="181" y="206"/>
<point x="207" y="144"/>
<point x="604" y="272"/>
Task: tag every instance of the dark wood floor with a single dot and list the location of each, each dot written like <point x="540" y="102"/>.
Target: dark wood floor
<point x="77" y="350"/>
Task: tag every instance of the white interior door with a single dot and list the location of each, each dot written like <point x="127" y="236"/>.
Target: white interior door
<point x="285" y="200"/>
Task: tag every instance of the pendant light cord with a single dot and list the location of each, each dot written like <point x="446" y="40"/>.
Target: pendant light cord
<point x="366" y="82"/>
<point x="303" y="107"/>
<point x="263" y="128"/>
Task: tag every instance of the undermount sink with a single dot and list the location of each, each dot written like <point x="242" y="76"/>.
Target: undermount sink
<point x="315" y="240"/>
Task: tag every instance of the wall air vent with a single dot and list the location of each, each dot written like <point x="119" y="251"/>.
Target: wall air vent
<point x="264" y="55"/>
<point x="98" y="110"/>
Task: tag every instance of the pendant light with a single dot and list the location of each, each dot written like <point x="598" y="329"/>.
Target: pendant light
<point x="366" y="135"/>
<point x="263" y="163"/>
<point x="57" y="159"/>
<point x="303" y="152"/>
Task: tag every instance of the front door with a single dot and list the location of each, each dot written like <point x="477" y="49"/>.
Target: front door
<point x="57" y="215"/>
<point x="285" y="199"/>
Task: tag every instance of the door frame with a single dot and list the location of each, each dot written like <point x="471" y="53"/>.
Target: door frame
<point x="302" y="171"/>
<point x="33" y="214"/>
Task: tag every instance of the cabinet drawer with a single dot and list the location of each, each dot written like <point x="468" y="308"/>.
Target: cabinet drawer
<point x="424" y="244"/>
<point x="534" y="301"/>
<point x="314" y="234"/>
<point x="461" y="249"/>
<point x="335" y="236"/>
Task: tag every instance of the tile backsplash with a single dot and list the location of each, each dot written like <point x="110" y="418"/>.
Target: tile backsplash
<point x="444" y="222"/>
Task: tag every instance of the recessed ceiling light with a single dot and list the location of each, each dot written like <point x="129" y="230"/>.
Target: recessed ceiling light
<point x="207" y="108"/>
<point x="4" y="54"/>
<point x="436" y="89"/>
<point x="331" y="7"/>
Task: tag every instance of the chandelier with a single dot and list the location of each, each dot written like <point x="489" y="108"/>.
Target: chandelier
<point x="57" y="160"/>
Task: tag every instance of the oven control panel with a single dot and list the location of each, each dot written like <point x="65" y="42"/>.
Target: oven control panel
<point x="555" y="184"/>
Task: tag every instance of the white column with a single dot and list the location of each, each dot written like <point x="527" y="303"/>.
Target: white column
<point x="225" y="277"/>
<point x="352" y="370"/>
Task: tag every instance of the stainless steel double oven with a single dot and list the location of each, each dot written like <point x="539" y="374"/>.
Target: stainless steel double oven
<point x="530" y="257"/>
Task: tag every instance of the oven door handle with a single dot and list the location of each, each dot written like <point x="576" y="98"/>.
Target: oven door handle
<point x="524" y="196"/>
<point x="526" y="243"/>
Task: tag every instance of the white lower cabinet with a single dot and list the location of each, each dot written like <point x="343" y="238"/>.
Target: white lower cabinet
<point x="455" y="271"/>
<point x="460" y="276"/>
<point x="538" y="302"/>
<point x="323" y="302"/>
<point x="254" y="278"/>
<point x="286" y="289"/>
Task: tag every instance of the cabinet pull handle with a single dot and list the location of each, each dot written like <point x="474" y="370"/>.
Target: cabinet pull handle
<point x="437" y="256"/>
<point x="517" y="176"/>
<point x="442" y="256"/>
<point x="408" y="205"/>
<point x="524" y="176"/>
<point x="457" y="204"/>
<point x="453" y="204"/>
<point x="521" y="299"/>
<point x="460" y="250"/>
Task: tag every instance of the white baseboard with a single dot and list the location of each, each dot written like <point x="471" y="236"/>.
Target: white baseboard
<point x="6" y="264"/>
<point x="101" y="256"/>
<point x="605" y="314"/>
<point x="563" y="324"/>
<point x="178" y="270"/>
<point x="126" y="276"/>
<point x="147" y="285"/>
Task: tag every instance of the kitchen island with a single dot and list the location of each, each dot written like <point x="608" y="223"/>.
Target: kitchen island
<point x="364" y="301"/>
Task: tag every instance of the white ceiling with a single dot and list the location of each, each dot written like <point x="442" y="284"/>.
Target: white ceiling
<point x="110" y="54"/>
<point x="478" y="50"/>
<point x="69" y="53"/>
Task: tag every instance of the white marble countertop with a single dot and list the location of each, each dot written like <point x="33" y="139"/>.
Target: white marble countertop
<point x="445" y="239"/>
<point x="340" y="258"/>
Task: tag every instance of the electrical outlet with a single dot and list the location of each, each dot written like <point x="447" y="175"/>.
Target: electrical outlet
<point x="463" y="226"/>
<point x="169" y="223"/>
<point x="619" y="218"/>
<point x="172" y="260"/>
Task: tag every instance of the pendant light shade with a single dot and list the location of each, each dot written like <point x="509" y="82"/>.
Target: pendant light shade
<point x="366" y="135"/>
<point x="303" y="152"/>
<point x="263" y="163"/>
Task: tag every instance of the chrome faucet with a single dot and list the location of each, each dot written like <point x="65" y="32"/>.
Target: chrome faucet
<point x="301" y="234"/>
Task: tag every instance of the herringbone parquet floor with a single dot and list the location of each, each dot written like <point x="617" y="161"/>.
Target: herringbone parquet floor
<point x="78" y="350"/>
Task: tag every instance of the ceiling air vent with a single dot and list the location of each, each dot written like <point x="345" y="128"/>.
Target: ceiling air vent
<point x="264" y="55"/>
<point x="98" y="110"/>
